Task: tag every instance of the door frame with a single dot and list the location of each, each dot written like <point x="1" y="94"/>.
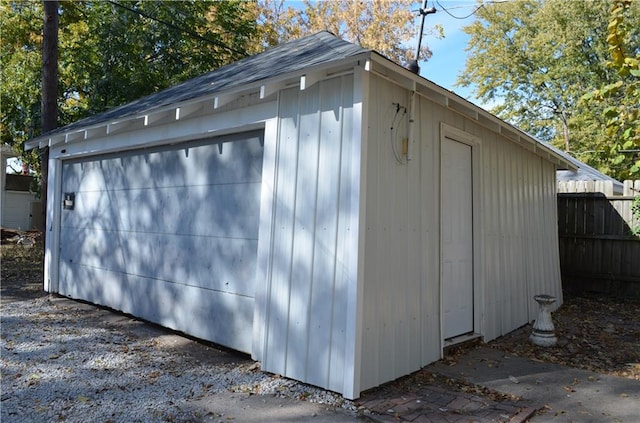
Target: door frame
<point x="455" y="134"/>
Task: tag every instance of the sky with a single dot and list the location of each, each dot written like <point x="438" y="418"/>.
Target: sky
<point x="449" y="55"/>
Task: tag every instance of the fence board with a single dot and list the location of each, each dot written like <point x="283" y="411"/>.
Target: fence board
<point x="598" y="251"/>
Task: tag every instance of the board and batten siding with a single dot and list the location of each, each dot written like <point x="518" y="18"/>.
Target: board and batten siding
<point x="521" y="256"/>
<point x="515" y="234"/>
<point x="400" y="291"/>
<point x="313" y="224"/>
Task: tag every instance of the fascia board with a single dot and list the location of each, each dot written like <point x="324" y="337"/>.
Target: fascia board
<point x="321" y="71"/>
<point x="453" y="101"/>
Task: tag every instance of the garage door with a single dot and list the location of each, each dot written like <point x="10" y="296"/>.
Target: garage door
<point x="169" y="235"/>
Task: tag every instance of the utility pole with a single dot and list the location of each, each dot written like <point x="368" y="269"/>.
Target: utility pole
<point x="413" y="65"/>
<point x="49" y="92"/>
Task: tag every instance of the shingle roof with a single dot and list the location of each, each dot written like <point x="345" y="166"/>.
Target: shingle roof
<point x="320" y="48"/>
<point x="584" y="171"/>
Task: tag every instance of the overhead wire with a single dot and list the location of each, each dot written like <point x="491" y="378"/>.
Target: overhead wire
<point x="459" y="17"/>
<point x="447" y="11"/>
<point x="393" y="135"/>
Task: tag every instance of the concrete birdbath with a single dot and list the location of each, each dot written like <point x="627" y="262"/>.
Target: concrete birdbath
<point x="543" y="334"/>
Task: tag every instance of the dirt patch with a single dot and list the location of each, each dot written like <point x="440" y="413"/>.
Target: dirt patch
<point x="21" y="271"/>
<point x="597" y="334"/>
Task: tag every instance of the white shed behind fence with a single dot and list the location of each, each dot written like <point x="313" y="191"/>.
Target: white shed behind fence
<point x="20" y="207"/>
<point x="316" y="205"/>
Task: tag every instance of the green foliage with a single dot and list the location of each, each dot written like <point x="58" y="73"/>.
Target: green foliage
<point x="635" y="208"/>
<point x="111" y="53"/>
<point x="130" y="55"/>
<point x="20" y="61"/>
<point x="538" y="58"/>
<point x="622" y="97"/>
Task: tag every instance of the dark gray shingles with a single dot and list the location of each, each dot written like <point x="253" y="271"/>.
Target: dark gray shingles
<point x="294" y="56"/>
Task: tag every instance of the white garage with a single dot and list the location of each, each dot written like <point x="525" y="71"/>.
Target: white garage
<point x="316" y="205"/>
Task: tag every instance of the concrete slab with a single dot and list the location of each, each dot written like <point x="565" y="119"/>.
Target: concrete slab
<point x="563" y="394"/>
<point x="239" y="407"/>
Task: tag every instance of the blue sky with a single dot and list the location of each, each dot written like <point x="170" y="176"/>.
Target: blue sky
<point x="449" y="53"/>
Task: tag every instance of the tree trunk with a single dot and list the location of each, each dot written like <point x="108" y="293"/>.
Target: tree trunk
<point x="49" y="93"/>
<point x="565" y="131"/>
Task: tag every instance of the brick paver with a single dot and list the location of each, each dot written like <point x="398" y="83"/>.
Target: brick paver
<point x="436" y="405"/>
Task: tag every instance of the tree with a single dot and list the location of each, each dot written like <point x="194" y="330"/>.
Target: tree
<point x="388" y="27"/>
<point x="20" y="85"/>
<point x="145" y="46"/>
<point x="49" y="91"/>
<point x="50" y="66"/>
<point x="536" y="59"/>
<point x="111" y="53"/>
<point x="622" y="95"/>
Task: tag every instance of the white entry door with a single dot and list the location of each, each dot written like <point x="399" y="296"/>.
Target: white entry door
<point x="457" y="237"/>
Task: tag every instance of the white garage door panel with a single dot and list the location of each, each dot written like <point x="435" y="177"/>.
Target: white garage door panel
<point x="174" y="168"/>
<point x="227" y="264"/>
<point x="171" y="210"/>
<point x="168" y="235"/>
<point x="207" y="314"/>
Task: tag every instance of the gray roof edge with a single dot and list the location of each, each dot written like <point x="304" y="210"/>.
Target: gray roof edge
<point x="319" y="49"/>
<point x="305" y="55"/>
<point x="253" y="86"/>
<point x="584" y="172"/>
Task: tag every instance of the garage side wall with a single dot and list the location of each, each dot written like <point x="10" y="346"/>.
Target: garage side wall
<point x="401" y="292"/>
<point x="516" y="248"/>
<point x="314" y="222"/>
<point x="520" y="245"/>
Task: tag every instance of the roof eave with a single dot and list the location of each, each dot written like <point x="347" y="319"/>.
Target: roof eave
<point x="265" y="88"/>
<point x="462" y="106"/>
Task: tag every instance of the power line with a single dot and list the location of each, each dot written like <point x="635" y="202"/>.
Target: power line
<point x="177" y="28"/>
<point x="459" y="17"/>
<point x="447" y="11"/>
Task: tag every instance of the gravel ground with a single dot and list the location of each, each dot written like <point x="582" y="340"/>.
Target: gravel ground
<point x="74" y="362"/>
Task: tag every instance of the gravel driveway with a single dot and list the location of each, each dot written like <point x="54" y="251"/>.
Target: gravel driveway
<point x="63" y="360"/>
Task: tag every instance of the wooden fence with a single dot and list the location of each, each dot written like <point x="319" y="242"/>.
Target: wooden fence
<point x="598" y="251"/>
<point x="605" y="187"/>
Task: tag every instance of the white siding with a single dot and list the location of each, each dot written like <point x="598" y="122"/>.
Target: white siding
<point x="306" y="288"/>
<point x="521" y="238"/>
<point x="516" y="250"/>
<point x="16" y="209"/>
<point x="395" y="299"/>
